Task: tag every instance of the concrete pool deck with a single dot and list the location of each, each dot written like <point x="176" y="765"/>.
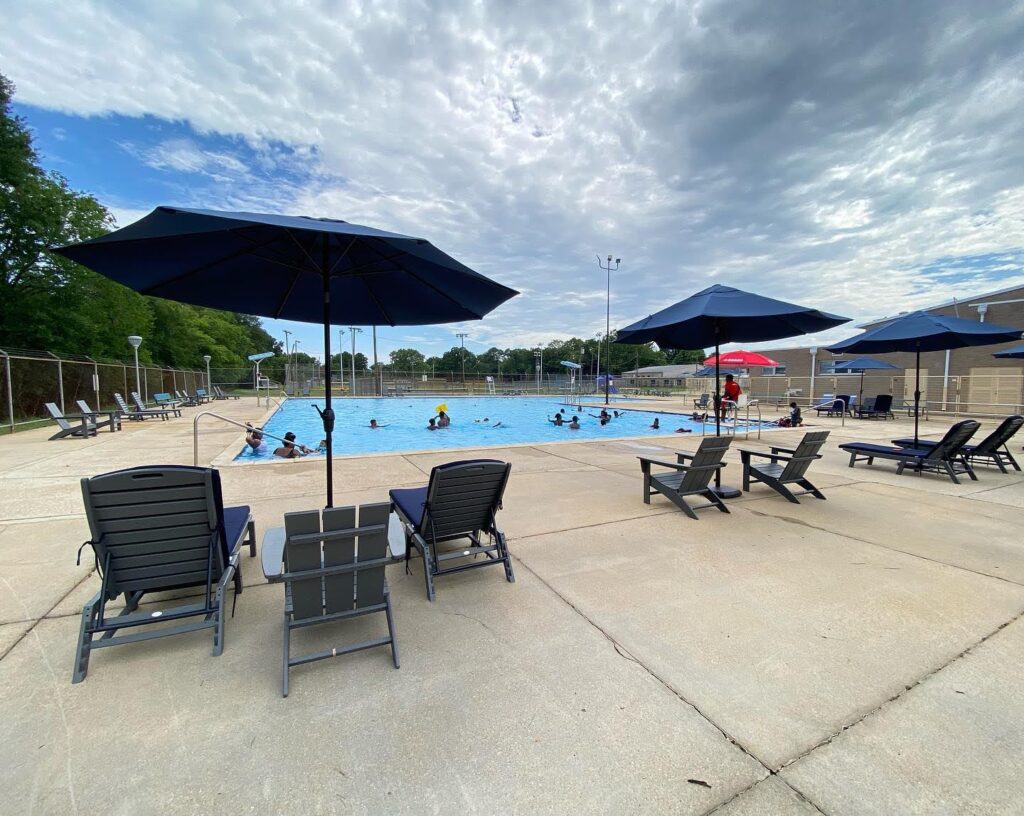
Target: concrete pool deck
<point x="858" y="655"/>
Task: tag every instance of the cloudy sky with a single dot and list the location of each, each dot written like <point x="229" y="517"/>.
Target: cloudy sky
<point x="860" y="157"/>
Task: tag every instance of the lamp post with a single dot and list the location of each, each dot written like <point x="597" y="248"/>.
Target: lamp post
<point x="287" y="346"/>
<point x="209" y="384"/>
<point x="136" y="341"/>
<point x="353" y="330"/>
<point x="814" y="365"/>
<point x="462" y="337"/>
<point x="341" y="366"/>
<point x="538" y="360"/>
<point x="608" y="321"/>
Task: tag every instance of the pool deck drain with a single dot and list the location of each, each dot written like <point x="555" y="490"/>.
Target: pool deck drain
<point x="858" y="655"/>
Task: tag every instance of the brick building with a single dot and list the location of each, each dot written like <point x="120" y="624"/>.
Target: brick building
<point x="962" y="377"/>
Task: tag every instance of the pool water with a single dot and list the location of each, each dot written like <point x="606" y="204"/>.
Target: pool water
<point x="476" y="422"/>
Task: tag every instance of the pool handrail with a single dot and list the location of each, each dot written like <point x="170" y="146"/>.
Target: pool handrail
<point x="243" y="426"/>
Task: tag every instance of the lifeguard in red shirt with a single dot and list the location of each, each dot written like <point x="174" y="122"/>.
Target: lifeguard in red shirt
<point x="731" y="392"/>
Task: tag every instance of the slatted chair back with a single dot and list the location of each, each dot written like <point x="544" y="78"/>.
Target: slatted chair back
<point x="57" y="416"/>
<point x="463" y="498"/>
<point x="1000" y="436"/>
<point x="703" y="401"/>
<point x="868" y="405"/>
<point x="156" y="528"/>
<point x="338" y="567"/>
<point x="201" y="392"/>
<point x="802" y="456"/>
<point x="121" y="404"/>
<point x="703" y="464"/>
<point x="83" y="406"/>
<point x="139" y="404"/>
<point x="842" y="404"/>
<point x="956" y="437"/>
<point x="883" y="404"/>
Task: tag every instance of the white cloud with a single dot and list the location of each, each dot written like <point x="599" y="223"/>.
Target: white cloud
<point x="826" y="153"/>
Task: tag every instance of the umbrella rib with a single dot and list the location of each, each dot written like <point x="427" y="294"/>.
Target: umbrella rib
<point x="376" y="300"/>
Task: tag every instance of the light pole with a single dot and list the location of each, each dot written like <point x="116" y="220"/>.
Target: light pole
<point x="136" y="341"/>
<point x="353" y="330"/>
<point x="209" y="386"/>
<point x="608" y="322"/>
<point x="538" y="356"/>
<point x="341" y="366"/>
<point x="462" y="336"/>
<point x="287" y="345"/>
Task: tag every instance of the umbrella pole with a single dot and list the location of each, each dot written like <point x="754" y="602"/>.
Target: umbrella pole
<point x="721" y="492"/>
<point x="917" y="392"/>
<point x="327" y="415"/>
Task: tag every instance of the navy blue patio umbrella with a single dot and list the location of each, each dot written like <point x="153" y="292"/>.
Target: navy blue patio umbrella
<point x="722" y="314"/>
<point x="863" y="364"/>
<point x="1011" y="353"/>
<point x="293" y="268"/>
<point x="924" y="331"/>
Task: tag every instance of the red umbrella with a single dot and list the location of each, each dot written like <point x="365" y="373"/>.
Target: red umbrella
<point x="740" y="358"/>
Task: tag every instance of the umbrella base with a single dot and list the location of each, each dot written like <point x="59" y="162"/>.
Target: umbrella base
<point x="726" y="492"/>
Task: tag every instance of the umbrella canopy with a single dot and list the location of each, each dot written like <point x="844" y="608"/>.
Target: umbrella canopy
<point x="1011" y="353"/>
<point x="722" y="314"/>
<point x="924" y="331"/>
<point x="709" y="371"/>
<point x="294" y="268"/>
<point x="863" y="364"/>
<point x="741" y="358"/>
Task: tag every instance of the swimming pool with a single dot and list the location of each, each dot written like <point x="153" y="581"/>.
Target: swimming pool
<point x="475" y="423"/>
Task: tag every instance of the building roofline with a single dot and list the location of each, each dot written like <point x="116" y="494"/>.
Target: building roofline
<point x="968" y="301"/>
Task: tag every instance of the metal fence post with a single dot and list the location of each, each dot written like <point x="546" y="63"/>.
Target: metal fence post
<point x="60" y="383"/>
<point x="10" y="390"/>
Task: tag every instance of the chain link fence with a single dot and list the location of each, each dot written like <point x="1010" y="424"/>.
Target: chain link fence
<point x="30" y="379"/>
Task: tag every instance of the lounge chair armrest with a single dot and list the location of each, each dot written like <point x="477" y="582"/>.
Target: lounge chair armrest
<point x="646" y="463"/>
<point x="777" y="449"/>
<point x="745" y="454"/>
<point x="682" y="457"/>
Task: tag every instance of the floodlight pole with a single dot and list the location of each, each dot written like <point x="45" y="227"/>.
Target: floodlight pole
<point x="341" y="363"/>
<point x="209" y="384"/>
<point x="462" y="337"/>
<point x="287" y="345"/>
<point x="353" y="330"/>
<point x="608" y="323"/>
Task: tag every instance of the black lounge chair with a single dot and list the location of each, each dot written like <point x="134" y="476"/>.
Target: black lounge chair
<point x="777" y="476"/>
<point x="113" y="418"/>
<point x="186" y="399"/>
<point x="703" y="403"/>
<point x="170" y="410"/>
<point x="461" y="501"/>
<point x="836" y="407"/>
<point x="693" y="479"/>
<point x="992" y="448"/>
<point x="334" y="573"/>
<point x="880" y="406"/>
<point x="222" y="394"/>
<point x="155" y="529"/>
<point x="945" y="457"/>
<point x="85" y="428"/>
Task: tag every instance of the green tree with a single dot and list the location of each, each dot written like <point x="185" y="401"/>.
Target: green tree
<point x="407" y="360"/>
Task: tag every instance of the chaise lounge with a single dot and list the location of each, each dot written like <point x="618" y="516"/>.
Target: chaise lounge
<point x="945" y="457"/>
<point x="879" y="407"/>
<point x="691" y="476"/>
<point x="992" y="448"/>
<point x="154" y="529"/>
<point x="461" y="501"/>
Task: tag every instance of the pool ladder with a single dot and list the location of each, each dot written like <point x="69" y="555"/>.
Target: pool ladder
<point x="195" y="431"/>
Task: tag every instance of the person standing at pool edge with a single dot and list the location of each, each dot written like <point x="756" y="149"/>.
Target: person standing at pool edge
<point x="730" y="391"/>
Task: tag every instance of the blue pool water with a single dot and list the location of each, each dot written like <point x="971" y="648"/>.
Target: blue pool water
<point x="523" y="420"/>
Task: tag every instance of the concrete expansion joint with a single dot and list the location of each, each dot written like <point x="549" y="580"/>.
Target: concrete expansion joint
<point x="771" y="774"/>
<point x="907" y="688"/>
<point x="802" y="523"/>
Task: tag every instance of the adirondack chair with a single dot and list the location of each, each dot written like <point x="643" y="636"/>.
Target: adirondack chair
<point x="186" y="399"/>
<point x="112" y="421"/>
<point x="85" y="428"/>
<point x="777" y="476"/>
<point x="703" y="403"/>
<point x="141" y="406"/>
<point x="154" y="529"/>
<point x="222" y="394"/>
<point x="201" y="396"/>
<point x="461" y="501"/>
<point x="992" y="448"/>
<point x="691" y="476"/>
<point x="945" y="457"/>
<point x="331" y="573"/>
<point x="137" y="415"/>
